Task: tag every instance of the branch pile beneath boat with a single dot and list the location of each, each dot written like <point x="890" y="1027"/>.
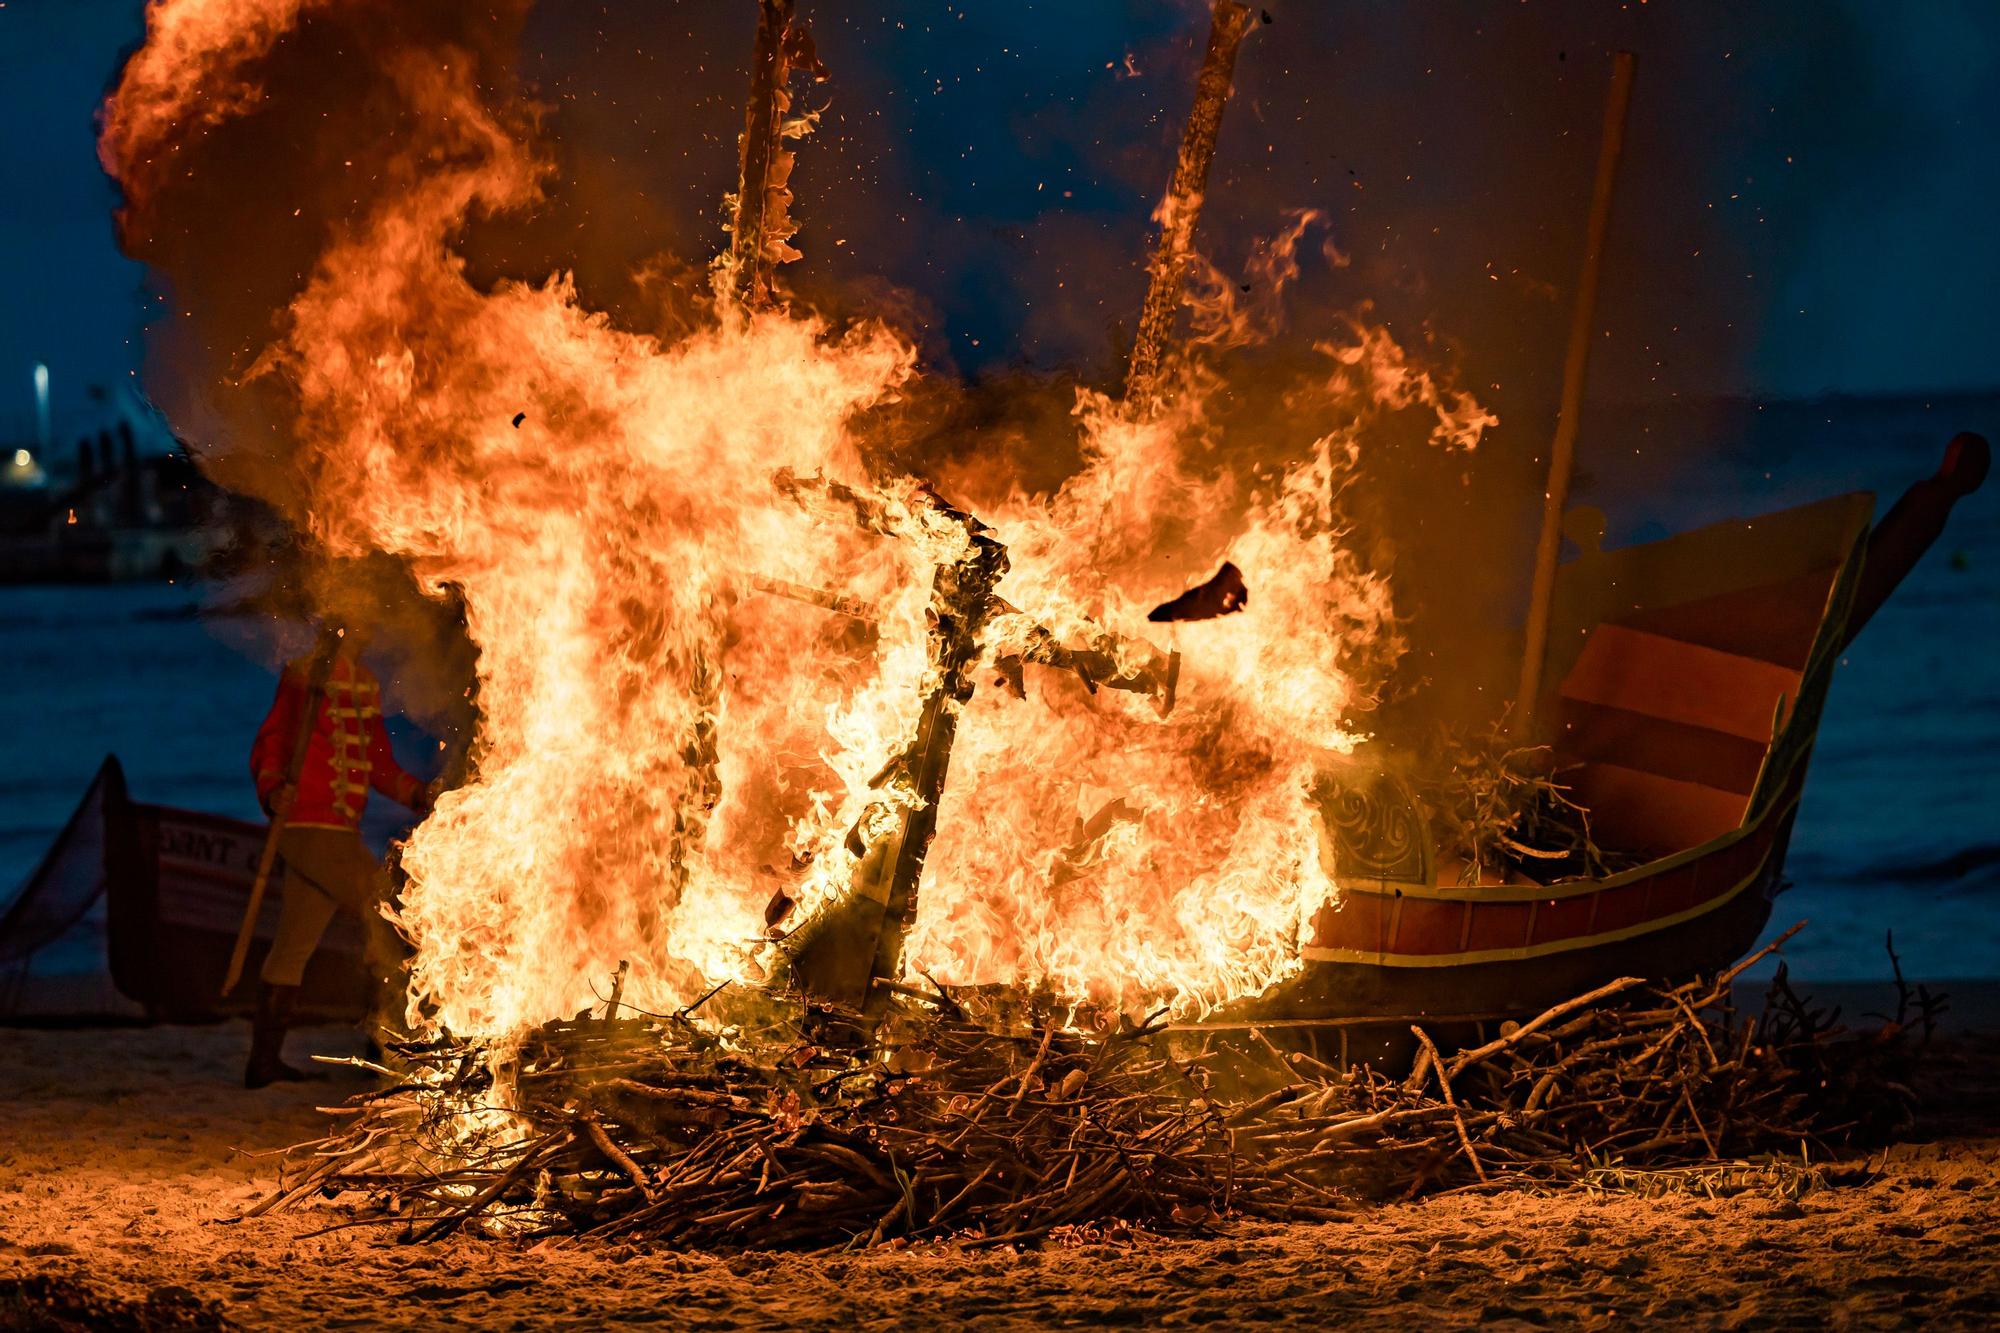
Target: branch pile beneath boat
<point x="656" y="1129"/>
<point x="1629" y="1079"/>
<point x="736" y="1137"/>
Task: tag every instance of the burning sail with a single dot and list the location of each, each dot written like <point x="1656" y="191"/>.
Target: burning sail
<point x="719" y="635"/>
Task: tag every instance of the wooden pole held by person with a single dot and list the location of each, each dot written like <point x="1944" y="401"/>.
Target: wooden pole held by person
<point x="322" y="666"/>
<point x="1182" y="206"/>
<point x="1562" y="454"/>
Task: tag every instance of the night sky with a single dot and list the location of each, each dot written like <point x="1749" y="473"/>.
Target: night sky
<point x="1807" y="203"/>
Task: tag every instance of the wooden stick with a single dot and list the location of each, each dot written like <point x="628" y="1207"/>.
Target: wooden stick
<point x="316" y="674"/>
<point x="1444" y="1087"/>
<point x="617" y="991"/>
<point x="1547" y="1016"/>
<point x="531" y="1156"/>
<point x="1182" y="206"/>
<point x="1721" y="986"/>
<point x="1562" y="454"/>
<point x="618" y="1157"/>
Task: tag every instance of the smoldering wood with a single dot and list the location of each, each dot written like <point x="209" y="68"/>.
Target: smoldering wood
<point x="829" y="499"/>
<point x="1167" y="275"/>
<point x="1113" y="661"/>
<point x="825" y="598"/>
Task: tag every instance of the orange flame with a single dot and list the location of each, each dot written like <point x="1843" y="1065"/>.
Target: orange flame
<point x="181" y="79"/>
<point x="688" y="676"/>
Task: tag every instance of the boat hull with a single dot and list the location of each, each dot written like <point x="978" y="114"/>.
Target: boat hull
<point x="180" y="886"/>
<point x="1396" y="944"/>
<point x="1521" y="979"/>
<point x="175" y="885"/>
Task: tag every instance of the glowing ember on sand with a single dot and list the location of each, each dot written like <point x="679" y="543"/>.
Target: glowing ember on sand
<point x="665" y="742"/>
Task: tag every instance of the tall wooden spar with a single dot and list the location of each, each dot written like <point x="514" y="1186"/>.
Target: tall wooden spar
<point x="761" y="229"/>
<point x="1562" y="455"/>
<point x="1167" y="277"/>
<point x="761" y="226"/>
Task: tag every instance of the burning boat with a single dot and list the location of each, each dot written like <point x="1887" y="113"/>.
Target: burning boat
<point x="781" y="733"/>
<point x="1689" y="678"/>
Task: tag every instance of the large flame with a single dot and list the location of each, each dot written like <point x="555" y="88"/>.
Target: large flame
<point x="689" y="673"/>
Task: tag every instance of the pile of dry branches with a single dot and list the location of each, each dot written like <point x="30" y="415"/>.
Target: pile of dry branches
<point x="661" y="1129"/>
<point x="667" y="1130"/>
<point x="1628" y="1076"/>
<point x="1502" y="808"/>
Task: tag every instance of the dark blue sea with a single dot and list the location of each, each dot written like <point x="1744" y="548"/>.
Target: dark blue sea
<point x="1899" y="830"/>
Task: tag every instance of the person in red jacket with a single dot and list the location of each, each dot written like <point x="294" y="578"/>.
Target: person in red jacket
<point x="327" y="866"/>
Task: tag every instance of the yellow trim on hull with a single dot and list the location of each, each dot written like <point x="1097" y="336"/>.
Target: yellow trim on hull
<point x="1321" y="954"/>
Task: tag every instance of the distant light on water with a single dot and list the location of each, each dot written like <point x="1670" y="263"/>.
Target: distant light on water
<point x="22" y="458"/>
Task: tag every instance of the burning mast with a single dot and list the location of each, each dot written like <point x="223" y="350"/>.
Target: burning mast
<point x="761" y="226"/>
<point x="1181" y="209"/>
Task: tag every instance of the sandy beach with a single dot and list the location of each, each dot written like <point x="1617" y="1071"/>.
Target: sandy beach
<point x="126" y="1154"/>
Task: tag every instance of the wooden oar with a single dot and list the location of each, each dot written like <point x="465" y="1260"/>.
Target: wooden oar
<point x="294" y="767"/>
<point x="1562" y="455"/>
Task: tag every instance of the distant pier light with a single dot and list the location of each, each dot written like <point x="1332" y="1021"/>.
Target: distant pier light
<point x="20" y="467"/>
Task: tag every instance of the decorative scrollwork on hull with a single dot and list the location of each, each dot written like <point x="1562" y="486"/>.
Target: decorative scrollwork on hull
<point x="1374" y="828"/>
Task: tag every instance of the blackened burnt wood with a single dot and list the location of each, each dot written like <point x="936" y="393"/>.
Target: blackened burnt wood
<point x="1223" y="595"/>
<point x="838" y="956"/>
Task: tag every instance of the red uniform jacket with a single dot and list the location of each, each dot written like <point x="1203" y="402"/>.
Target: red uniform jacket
<point x="348" y="753"/>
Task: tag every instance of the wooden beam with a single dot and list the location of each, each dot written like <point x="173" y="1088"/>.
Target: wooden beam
<point x="840" y="955"/>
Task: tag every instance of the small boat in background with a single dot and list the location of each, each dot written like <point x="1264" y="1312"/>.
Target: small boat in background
<point x="173" y="886"/>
